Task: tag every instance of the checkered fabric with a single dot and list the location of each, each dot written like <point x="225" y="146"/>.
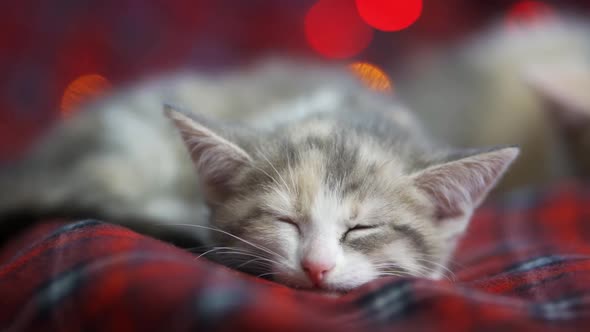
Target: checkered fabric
<point x="523" y="266"/>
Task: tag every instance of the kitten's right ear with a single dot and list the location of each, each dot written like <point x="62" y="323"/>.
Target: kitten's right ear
<point x="217" y="159"/>
<point x="458" y="187"/>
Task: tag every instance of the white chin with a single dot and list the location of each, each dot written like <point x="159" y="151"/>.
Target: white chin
<point x="330" y="287"/>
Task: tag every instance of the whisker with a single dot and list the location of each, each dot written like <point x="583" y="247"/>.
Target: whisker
<point x="208" y="251"/>
<point x="444" y="269"/>
<point x="250" y="261"/>
<point x="422" y="270"/>
<point x="291" y="174"/>
<point x="262" y="248"/>
<point x="276" y="171"/>
<point x="257" y="257"/>
<point x="241" y="252"/>
<point x="266" y="274"/>
<point x="391" y="274"/>
<point x="191" y="249"/>
<point x="402" y="271"/>
<point x="266" y="173"/>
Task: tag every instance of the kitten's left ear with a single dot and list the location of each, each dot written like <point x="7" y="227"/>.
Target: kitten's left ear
<point x="217" y="159"/>
<point x="457" y="187"/>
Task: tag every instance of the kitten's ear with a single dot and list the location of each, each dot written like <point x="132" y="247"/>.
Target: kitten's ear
<point x="457" y="187"/>
<point x="217" y="159"/>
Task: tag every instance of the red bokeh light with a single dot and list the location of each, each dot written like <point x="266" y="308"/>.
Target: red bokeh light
<point x="529" y="12"/>
<point x="334" y="29"/>
<point x="82" y="89"/>
<point x="389" y="15"/>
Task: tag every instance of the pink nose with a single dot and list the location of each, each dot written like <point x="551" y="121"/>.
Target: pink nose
<point x="316" y="271"/>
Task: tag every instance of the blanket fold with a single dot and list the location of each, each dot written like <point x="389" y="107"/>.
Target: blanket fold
<point x="523" y="265"/>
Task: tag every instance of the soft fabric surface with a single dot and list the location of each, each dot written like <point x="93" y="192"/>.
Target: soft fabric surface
<point x="524" y="266"/>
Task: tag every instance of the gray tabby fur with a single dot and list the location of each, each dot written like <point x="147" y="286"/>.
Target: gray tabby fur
<point x="328" y="184"/>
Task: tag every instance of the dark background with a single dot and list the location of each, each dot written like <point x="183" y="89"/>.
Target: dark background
<point x="45" y="45"/>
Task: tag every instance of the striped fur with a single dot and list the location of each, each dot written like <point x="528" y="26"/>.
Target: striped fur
<point x="298" y="161"/>
<point x="360" y="190"/>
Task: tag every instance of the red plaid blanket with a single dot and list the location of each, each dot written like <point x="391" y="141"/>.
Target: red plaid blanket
<point x="524" y="265"/>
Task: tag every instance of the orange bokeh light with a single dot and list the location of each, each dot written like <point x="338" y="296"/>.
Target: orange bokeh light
<point x="82" y="89"/>
<point x="334" y="29"/>
<point x="372" y="76"/>
<point x="389" y="15"/>
<point x="528" y="12"/>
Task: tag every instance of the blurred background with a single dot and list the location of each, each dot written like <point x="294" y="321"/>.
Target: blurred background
<point x="54" y="52"/>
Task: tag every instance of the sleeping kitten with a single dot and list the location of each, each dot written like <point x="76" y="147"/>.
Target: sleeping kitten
<point x="302" y="175"/>
<point x="336" y="198"/>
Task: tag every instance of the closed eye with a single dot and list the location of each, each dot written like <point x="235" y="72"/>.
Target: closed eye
<point x="361" y="227"/>
<point x="288" y="220"/>
<point x="358" y="228"/>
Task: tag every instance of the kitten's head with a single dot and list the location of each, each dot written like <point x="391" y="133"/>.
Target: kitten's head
<point x="333" y="209"/>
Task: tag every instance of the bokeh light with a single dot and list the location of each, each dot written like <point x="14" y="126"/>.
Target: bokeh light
<point x="334" y="29"/>
<point x="82" y="89"/>
<point x="389" y="15"/>
<point x="527" y="12"/>
<point x="372" y="76"/>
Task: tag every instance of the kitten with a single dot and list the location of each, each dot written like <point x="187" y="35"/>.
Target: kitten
<point x="337" y="198"/>
<point x="302" y="175"/>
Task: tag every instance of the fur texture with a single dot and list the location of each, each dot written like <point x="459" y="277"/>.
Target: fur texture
<point x="302" y="175"/>
<point x="335" y="197"/>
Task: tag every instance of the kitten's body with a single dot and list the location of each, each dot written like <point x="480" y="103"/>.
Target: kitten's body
<point x="121" y="156"/>
<point x="328" y="184"/>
